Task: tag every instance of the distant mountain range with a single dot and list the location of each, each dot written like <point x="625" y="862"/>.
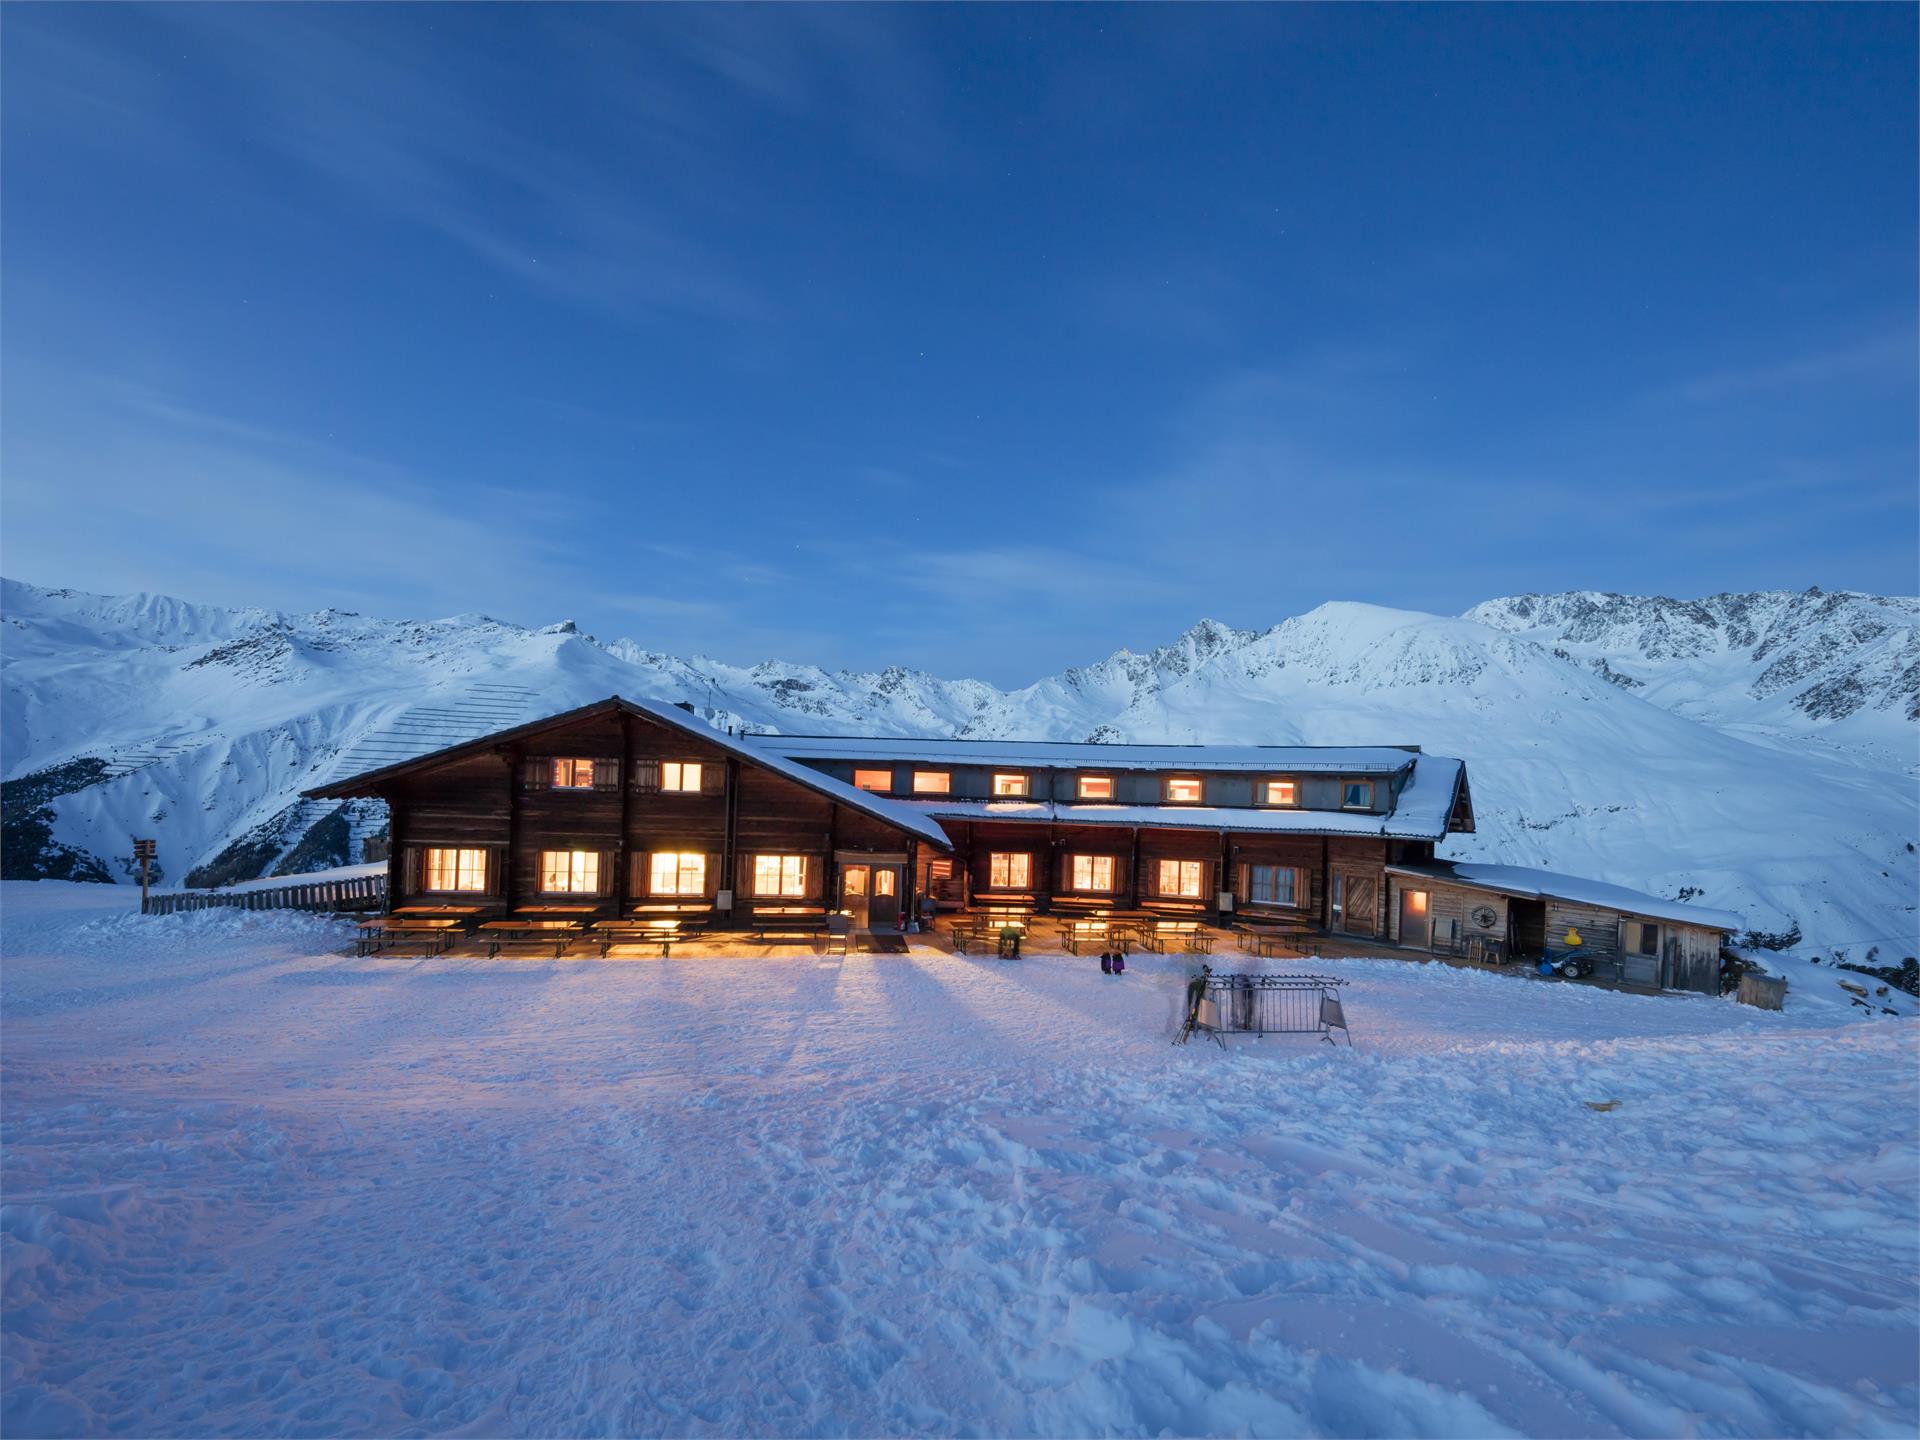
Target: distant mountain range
<point x="1756" y="751"/>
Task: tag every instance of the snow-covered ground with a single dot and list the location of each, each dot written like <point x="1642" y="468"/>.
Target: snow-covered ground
<point x="256" y="1186"/>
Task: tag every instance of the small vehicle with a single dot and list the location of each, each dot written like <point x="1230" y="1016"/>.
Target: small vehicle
<point x="1567" y="964"/>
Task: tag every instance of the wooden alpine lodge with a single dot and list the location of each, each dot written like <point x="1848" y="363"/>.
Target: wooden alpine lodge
<point x="634" y="814"/>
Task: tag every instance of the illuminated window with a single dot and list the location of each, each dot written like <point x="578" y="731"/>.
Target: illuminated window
<point x="1358" y="795"/>
<point x="683" y="775"/>
<point x="573" y="774"/>
<point x="1274" y="885"/>
<point x="570" y="872"/>
<point x="1183" y="791"/>
<point x="1096" y="787"/>
<point x="932" y="782"/>
<point x="881" y="780"/>
<point x="1091" y="872"/>
<point x="780" y="875"/>
<point x="1010" y="783"/>
<point x="678" y="872"/>
<point x="1182" y="878"/>
<point x="884" y="880"/>
<point x="455" y="869"/>
<point x="1008" y="871"/>
<point x="1283" y="792"/>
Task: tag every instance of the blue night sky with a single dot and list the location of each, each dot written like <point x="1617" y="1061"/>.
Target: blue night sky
<point x="984" y="340"/>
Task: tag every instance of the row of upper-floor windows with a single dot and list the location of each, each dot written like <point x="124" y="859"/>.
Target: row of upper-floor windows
<point x="451" y="870"/>
<point x="694" y="777"/>
<point x="1278" y="791"/>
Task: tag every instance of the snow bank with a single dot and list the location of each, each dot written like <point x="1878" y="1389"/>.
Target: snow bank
<point x="257" y="1186"/>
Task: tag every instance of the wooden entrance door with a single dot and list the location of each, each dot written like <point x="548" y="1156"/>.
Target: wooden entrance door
<point x="883" y="903"/>
<point x="855" y="883"/>
<point x="1414" y="920"/>
<point x="1354" y="897"/>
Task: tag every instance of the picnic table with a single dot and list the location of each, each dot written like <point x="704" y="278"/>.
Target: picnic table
<point x="788" y="922"/>
<point x="391" y="929"/>
<point x="427" y="912"/>
<point x="501" y="933"/>
<point x="1107" y="934"/>
<point x="1191" y="936"/>
<point x="554" y="912"/>
<point x="637" y="932"/>
<point x="1277" y="940"/>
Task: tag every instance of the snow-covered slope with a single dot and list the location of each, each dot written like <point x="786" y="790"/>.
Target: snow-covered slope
<point x="1723" y="774"/>
<point x="1835" y="667"/>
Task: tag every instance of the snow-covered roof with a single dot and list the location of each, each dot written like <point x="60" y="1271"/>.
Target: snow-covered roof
<point x="894" y="812"/>
<point x="1066" y="754"/>
<point x="1539" y="884"/>
<point x="1425" y="804"/>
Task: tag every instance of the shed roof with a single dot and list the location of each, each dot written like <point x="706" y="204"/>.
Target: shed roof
<point x="1544" y="884"/>
<point x="894" y="812"/>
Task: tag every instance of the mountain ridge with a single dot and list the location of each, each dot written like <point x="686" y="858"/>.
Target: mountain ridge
<point x="1643" y="740"/>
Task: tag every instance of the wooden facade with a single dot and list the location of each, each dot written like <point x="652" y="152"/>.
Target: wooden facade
<point x="630" y="808"/>
<point x="1657" y="951"/>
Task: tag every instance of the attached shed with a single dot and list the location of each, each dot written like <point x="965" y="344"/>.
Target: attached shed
<point x="1644" y="939"/>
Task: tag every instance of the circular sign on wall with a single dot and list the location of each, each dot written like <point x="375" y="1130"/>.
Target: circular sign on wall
<point x="1484" y="916"/>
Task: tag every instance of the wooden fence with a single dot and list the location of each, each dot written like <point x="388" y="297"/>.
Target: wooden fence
<point x="361" y="892"/>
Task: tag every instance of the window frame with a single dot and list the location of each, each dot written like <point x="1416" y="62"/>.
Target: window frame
<point x="1019" y="777"/>
<point x="803" y="864"/>
<point x="459" y="852"/>
<point x="1198" y="782"/>
<point x="1006" y="880"/>
<point x="1179" y="892"/>
<point x="1081" y="780"/>
<point x="887" y="775"/>
<point x="572" y="764"/>
<point x="1093" y="863"/>
<point x="1292" y="782"/>
<point x="592" y="868"/>
<point x="1347" y="785"/>
<point x="1649" y="930"/>
<point x="680" y="857"/>
<point x="941" y="782"/>
<point x="682" y="767"/>
<point x="1299" y="889"/>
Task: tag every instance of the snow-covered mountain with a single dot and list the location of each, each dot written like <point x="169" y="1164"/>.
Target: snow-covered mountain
<point x="1757" y="752"/>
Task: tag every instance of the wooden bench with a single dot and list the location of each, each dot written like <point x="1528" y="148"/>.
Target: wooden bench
<point x="504" y="934"/>
<point x="1278" y="939"/>
<point x="437" y="933"/>
<point x="637" y="932"/>
<point x="1082" y="935"/>
<point x="1190" y="936"/>
<point x="787" y="922"/>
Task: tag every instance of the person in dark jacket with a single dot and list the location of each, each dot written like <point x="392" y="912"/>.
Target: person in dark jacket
<point x="1119" y="962"/>
<point x="1106" y="963"/>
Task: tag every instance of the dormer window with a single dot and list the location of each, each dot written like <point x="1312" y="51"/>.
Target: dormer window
<point x="880" y="781"/>
<point x="1010" y="784"/>
<point x="680" y="775"/>
<point x="1357" y="795"/>
<point x="1281" y="792"/>
<point x="573" y="774"/>
<point x="932" y="782"/>
<point x="1095" y="787"/>
<point x="1183" y="790"/>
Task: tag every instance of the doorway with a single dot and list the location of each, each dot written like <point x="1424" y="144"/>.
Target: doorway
<point x="1354" y="899"/>
<point x="870" y="894"/>
<point x="1415" y="923"/>
<point x="1526" y="928"/>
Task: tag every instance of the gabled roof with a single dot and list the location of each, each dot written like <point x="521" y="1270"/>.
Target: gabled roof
<point x="895" y="813"/>
<point x="1073" y="754"/>
<point x="1540" y="884"/>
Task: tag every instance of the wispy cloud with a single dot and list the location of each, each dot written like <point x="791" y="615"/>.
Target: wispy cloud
<point x="1886" y="358"/>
